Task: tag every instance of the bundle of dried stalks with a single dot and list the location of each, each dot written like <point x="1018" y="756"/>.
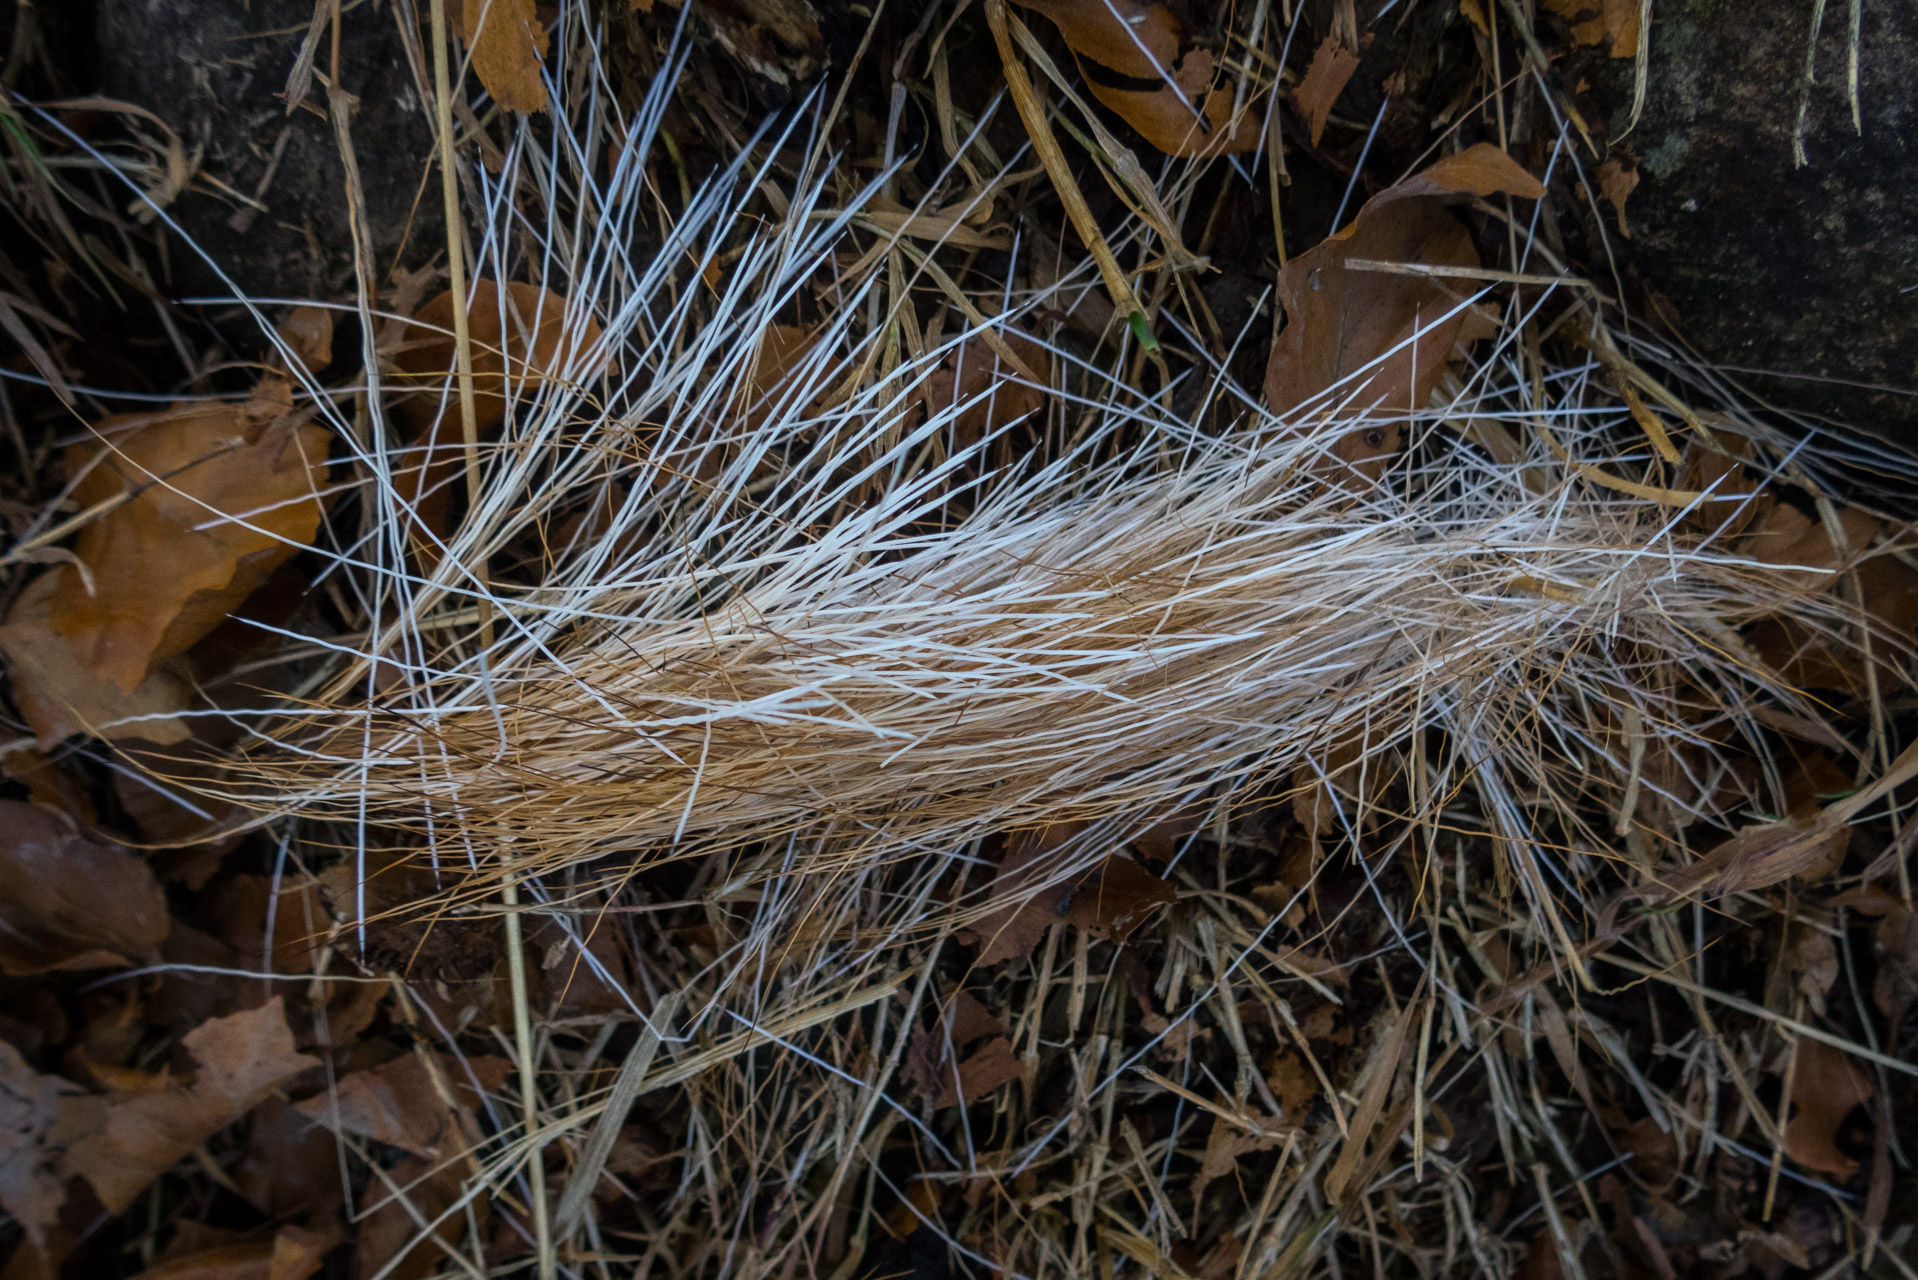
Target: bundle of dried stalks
<point x="740" y="565"/>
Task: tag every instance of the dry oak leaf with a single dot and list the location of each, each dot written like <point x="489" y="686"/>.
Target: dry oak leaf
<point x="132" y="1140"/>
<point x="1332" y="66"/>
<point x="1139" y="60"/>
<point x="1825" y="1088"/>
<point x="399" y="1104"/>
<point x="292" y="1254"/>
<point x="507" y="43"/>
<point x="67" y="902"/>
<point x="1593" y="21"/>
<point x="1383" y="339"/>
<point x="60" y="698"/>
<point x="218" y="496"/>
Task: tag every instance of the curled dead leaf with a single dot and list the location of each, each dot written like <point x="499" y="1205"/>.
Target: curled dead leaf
<point x="1382" y="339"/>
<point x="1139" y="60"/>
<point x="1825" y="1087"/>
<point x="60" y="698"/>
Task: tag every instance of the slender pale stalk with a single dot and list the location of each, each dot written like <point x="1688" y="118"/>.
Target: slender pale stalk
<point x="469" y="434"/>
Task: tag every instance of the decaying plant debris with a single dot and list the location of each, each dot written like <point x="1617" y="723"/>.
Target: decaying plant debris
<point x="895" y="677"/>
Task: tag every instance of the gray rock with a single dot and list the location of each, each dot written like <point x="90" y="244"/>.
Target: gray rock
<point x="1809" y="271"/>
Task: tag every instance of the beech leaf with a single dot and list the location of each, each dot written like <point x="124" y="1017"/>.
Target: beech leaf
<point x="217" y="497"/>
<point x="67" y="902"/>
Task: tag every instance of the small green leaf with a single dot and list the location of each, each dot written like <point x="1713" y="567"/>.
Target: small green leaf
<point x="1143" y="333"/>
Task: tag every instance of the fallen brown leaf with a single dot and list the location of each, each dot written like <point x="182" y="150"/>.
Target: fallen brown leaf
<point x="219" y="496"/>
<point x="1825" y="1088"/>
<point x="60" y="698"/>
<point x="1378" y="337"/>
<point x="290" y="1165"/>
<point x="1654" y="1152"/>
<point x="1617" y="179"/>
<point x="31" y="1187"/>
<point x="1223" y="1147"/>
<point x="292" y="1254"/>
<point x="508" y="43"/>
<point x="1145" y="66"/>
<point x="929" y="1056"/>
<point x="993" y="394"/>
<point x="993" y="1066"/>
<point x="1110" y="901"/>
<point x="400" y="1105"/>
<point x="1292" y="1082"/>
<point x="1759" y="857"/>
<point x="128" y="1141"/>
<point x="516" y="345"/>
<point x="920" y="1202"/>
<point x="67" y="902"/>
<point x="389" y="1231"/>
<point x="1593" y="21"/>
<point x="1325" y="79"/>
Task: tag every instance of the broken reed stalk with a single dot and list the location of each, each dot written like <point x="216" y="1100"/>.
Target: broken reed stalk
<point x="469" y="435"/>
